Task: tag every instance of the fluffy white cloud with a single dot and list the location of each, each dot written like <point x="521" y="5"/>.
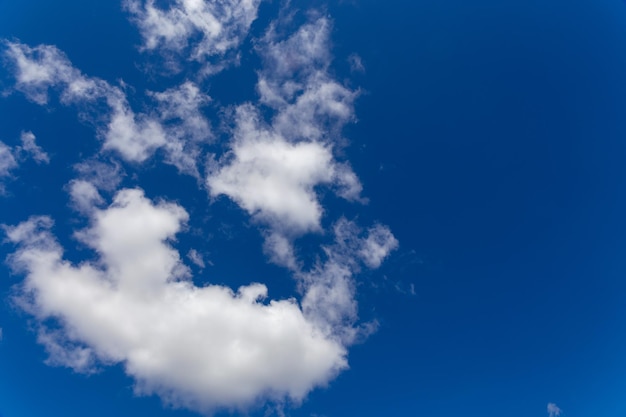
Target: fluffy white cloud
<point x="84" y="195"/>
<point x="177" y="126"/>
<point x="135" y="137"/>
<point x="197" y="347"/>
<point x="272" y="178"/>
<point x="273" y="169"/>
<point x="553" y="410"/>
<point x="194" y="29"/>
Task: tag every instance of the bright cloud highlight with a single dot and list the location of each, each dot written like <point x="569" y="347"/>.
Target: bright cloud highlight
<point x="197" y="347"/>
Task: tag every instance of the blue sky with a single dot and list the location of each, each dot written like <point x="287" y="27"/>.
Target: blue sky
<point x="313" y="208"/>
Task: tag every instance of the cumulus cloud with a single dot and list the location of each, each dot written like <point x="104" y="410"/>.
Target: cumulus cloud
<point x="197" y="347"/>
<point x="272" y="178"/>
<point x="177" y="126"/>
<point x="553" y="410"/>
<point x="273" y="169"/>
<point x="193" y="29"/>
<point x="94" y="177"/>
<point x="84" y="195"/>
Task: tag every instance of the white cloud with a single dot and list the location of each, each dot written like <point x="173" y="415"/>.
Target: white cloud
<point x="177" y="126"/>
<point x="7" y="160"/>
<point x="273" y="170"/>
<point x="199" y="348"/>
<point x="84" y="196"/>
<point x="318" y="113"/>
<point x="186" y="127"/>
<point x="135" y="137"/>
<point x="39" y="69"/>
<point x="181" y="105"/>
<point x="329" y="288"/>
<point x="10" y="158"/>
<point x="295" y="82"/>
<point x="280" y="251"/>
<point x="272" y="178"/>
<point x="195" y="257"/>
<point x="288" y="62"/>
<point x="356" y="63"/>
<point x="377" y="246"/>
<point x="553" y="410"/>
<point x="193" y="29"/>
<point x="29" y="147"/>
<point x="102" y="175"/>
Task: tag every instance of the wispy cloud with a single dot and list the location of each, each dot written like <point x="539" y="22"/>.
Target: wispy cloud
<point x="356" y="63"/>
<point x="192" y="29"/>
<point x="195" y="257"/>
<point x="553" y="410"/>
<point x="7" y="160"/>
<point x="273" y="169"/>
<point x="30" y="149"/>
<point x="176" y="126"/>
<point x="11" y="157"/>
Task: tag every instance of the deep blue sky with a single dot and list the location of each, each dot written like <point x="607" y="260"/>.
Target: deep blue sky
<point x="490" y="139"/>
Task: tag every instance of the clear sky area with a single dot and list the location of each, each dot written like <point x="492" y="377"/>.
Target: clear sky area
<point x="313" y="208"/>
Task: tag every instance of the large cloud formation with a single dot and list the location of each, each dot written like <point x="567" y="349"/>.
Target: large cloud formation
<point x="197" y="347"/>
<point x="134" y="302"/>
